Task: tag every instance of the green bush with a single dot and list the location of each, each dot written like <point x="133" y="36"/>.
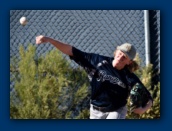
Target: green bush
<point x="48" y="88"/>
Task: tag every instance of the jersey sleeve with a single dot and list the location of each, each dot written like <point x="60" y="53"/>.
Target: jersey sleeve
<point x="86" y="60"/>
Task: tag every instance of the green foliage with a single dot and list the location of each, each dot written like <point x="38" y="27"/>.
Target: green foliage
<point x="83" y="114"/>
<point x="48" y="88"/>
<point x="154" y="112"/>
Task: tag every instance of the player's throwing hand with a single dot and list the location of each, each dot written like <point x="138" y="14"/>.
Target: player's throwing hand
<point x="41" y="39"/>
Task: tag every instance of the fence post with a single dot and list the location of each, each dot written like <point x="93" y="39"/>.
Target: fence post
<point x="147" y="36"/>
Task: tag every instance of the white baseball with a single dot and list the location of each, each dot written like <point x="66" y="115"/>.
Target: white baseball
<point x="23" y="20"/>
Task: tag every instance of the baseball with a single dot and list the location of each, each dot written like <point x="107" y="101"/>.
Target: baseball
<point x="23" y="21"/>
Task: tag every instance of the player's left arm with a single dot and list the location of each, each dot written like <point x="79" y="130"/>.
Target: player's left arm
<point x="141" y="110"/>
<point x="140" y="98"/>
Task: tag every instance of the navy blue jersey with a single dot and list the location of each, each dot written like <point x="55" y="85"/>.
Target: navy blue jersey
<point x="109" y="86"/>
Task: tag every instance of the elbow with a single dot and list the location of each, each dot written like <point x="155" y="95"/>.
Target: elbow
<point x="67" y="50"/>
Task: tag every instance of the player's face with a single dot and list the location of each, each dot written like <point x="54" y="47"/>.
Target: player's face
<point x="120" y="60"/>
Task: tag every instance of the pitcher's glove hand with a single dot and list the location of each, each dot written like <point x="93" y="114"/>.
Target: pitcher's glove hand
<point x="139" y="96"/>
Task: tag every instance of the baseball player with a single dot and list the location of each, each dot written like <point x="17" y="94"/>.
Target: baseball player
<point x="111" y="79"/>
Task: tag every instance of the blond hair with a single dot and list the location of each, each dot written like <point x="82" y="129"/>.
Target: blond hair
<point x="133" y="66"/>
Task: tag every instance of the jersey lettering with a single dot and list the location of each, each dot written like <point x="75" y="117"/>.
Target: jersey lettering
<point x="114" y="80"/>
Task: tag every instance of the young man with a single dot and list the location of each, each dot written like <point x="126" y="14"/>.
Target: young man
<point x="111" y="79"/>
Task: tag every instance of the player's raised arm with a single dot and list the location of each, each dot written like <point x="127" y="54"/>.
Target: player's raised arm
<point x="65" y="48"/>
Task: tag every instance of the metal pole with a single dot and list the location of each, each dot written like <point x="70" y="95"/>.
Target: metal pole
<point x="147" y="36"/>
